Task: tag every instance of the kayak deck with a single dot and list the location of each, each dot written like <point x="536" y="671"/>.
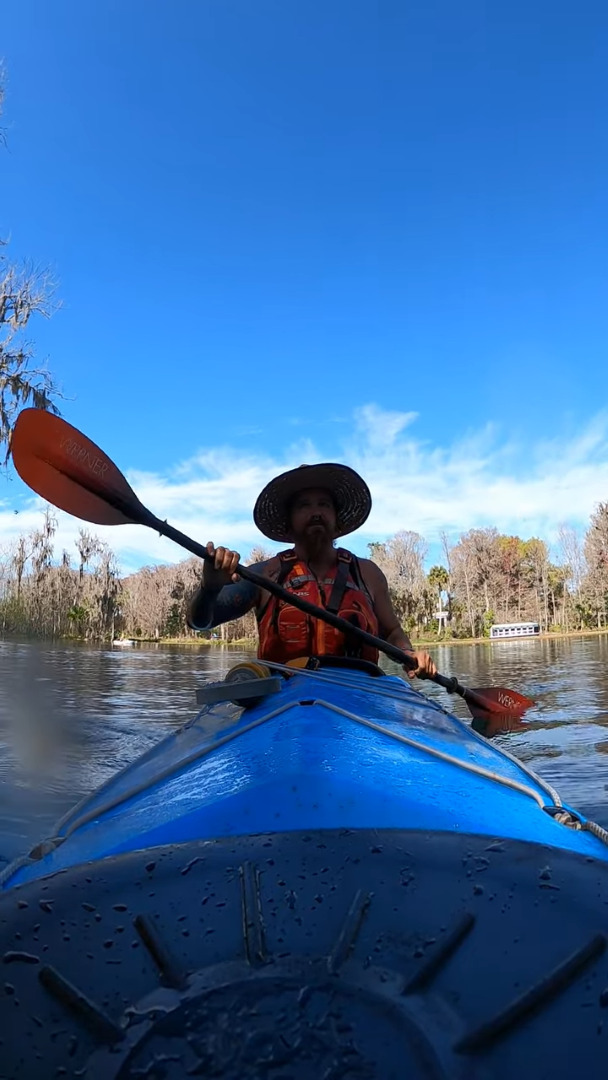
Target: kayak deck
<point x="334" y="749"/>
<point x="364" y="954"/>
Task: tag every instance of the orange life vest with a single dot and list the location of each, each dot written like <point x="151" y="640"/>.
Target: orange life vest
<point x="286" y="633"/>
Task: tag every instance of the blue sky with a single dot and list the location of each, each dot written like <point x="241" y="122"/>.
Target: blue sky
<point x="345" y="230"/>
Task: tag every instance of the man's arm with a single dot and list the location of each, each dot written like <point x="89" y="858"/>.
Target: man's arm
<point x="222" y="595"/>
<point x="209" y="608"/>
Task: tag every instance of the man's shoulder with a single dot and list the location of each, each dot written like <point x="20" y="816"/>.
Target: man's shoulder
<point x="266" y="567"/>
<point x="372" y="574"/>
<point x="366" y="564"/>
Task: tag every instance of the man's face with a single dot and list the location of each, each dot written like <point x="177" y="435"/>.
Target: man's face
<point x="313" y="518"/>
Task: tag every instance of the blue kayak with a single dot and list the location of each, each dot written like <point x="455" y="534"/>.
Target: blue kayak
<point x="325" y="873"/>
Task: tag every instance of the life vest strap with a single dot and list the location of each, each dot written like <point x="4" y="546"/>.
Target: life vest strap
<point x="340" y="580"/>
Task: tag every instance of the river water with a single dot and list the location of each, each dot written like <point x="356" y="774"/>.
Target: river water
<point x="71" y="715"/>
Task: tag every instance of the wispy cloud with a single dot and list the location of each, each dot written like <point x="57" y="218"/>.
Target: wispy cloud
<point x="481" y="479"/>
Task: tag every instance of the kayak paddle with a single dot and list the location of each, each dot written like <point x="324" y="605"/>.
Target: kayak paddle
<point x="64" y="467"/>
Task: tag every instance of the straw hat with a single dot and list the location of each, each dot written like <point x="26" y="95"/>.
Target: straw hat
<point x="350" y="493"/>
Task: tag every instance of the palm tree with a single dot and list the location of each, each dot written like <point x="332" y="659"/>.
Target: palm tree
<point x="438" y="579"/>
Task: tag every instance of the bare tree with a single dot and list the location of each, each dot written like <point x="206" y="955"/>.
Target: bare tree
<point x="510" y="553"/>
<point x="42" y="544"/>
<point x="447" y="551"/>
<point x="401" y="559"/>
<point x="573" y="562"/>
<point x="19" y="559"/>
<point x="463" y="578"/>
<point x="536" y="570"/>
<point x="25" y="291"/>
<point x="87" y="546"/>
<point x="571" y="551"/>
<point x="596" y="557"/>
<point x="258" y="554"/>
<point x="477" y="577"/>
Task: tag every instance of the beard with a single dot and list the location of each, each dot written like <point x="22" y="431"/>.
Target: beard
<point x="315" y="538"/>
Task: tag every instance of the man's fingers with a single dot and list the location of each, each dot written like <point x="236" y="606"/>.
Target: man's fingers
<point x="429" y="666"/>
<point x="425" y="668"/>
<point x="226" y="560"/>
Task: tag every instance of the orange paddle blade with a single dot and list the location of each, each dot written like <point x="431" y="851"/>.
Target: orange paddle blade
<point x="68" y="470"/>
<point x="498" y="700"/>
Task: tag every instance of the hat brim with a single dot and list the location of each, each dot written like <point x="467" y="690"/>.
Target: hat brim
<point x="351" y="495"/>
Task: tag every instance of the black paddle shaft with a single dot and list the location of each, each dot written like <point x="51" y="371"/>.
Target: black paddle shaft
<point x="114" y="490"/>
<point x="451" y="685"/>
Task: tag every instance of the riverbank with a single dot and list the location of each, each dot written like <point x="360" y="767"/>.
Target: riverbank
<point x="238" y="643"/>
<point x="252" y="643"/>
<point x="418" y="643"/>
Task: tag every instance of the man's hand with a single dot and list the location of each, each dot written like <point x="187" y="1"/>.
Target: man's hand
<point x="425" y="665"/>
<point x="220" y="572"/>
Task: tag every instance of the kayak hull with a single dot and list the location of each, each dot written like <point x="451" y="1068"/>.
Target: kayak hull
<point x="342" y="750"/>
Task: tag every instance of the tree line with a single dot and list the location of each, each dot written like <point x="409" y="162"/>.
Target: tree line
<point x="484" y="578"/>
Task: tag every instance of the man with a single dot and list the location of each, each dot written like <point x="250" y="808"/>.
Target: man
<point x="308" y="508"/>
